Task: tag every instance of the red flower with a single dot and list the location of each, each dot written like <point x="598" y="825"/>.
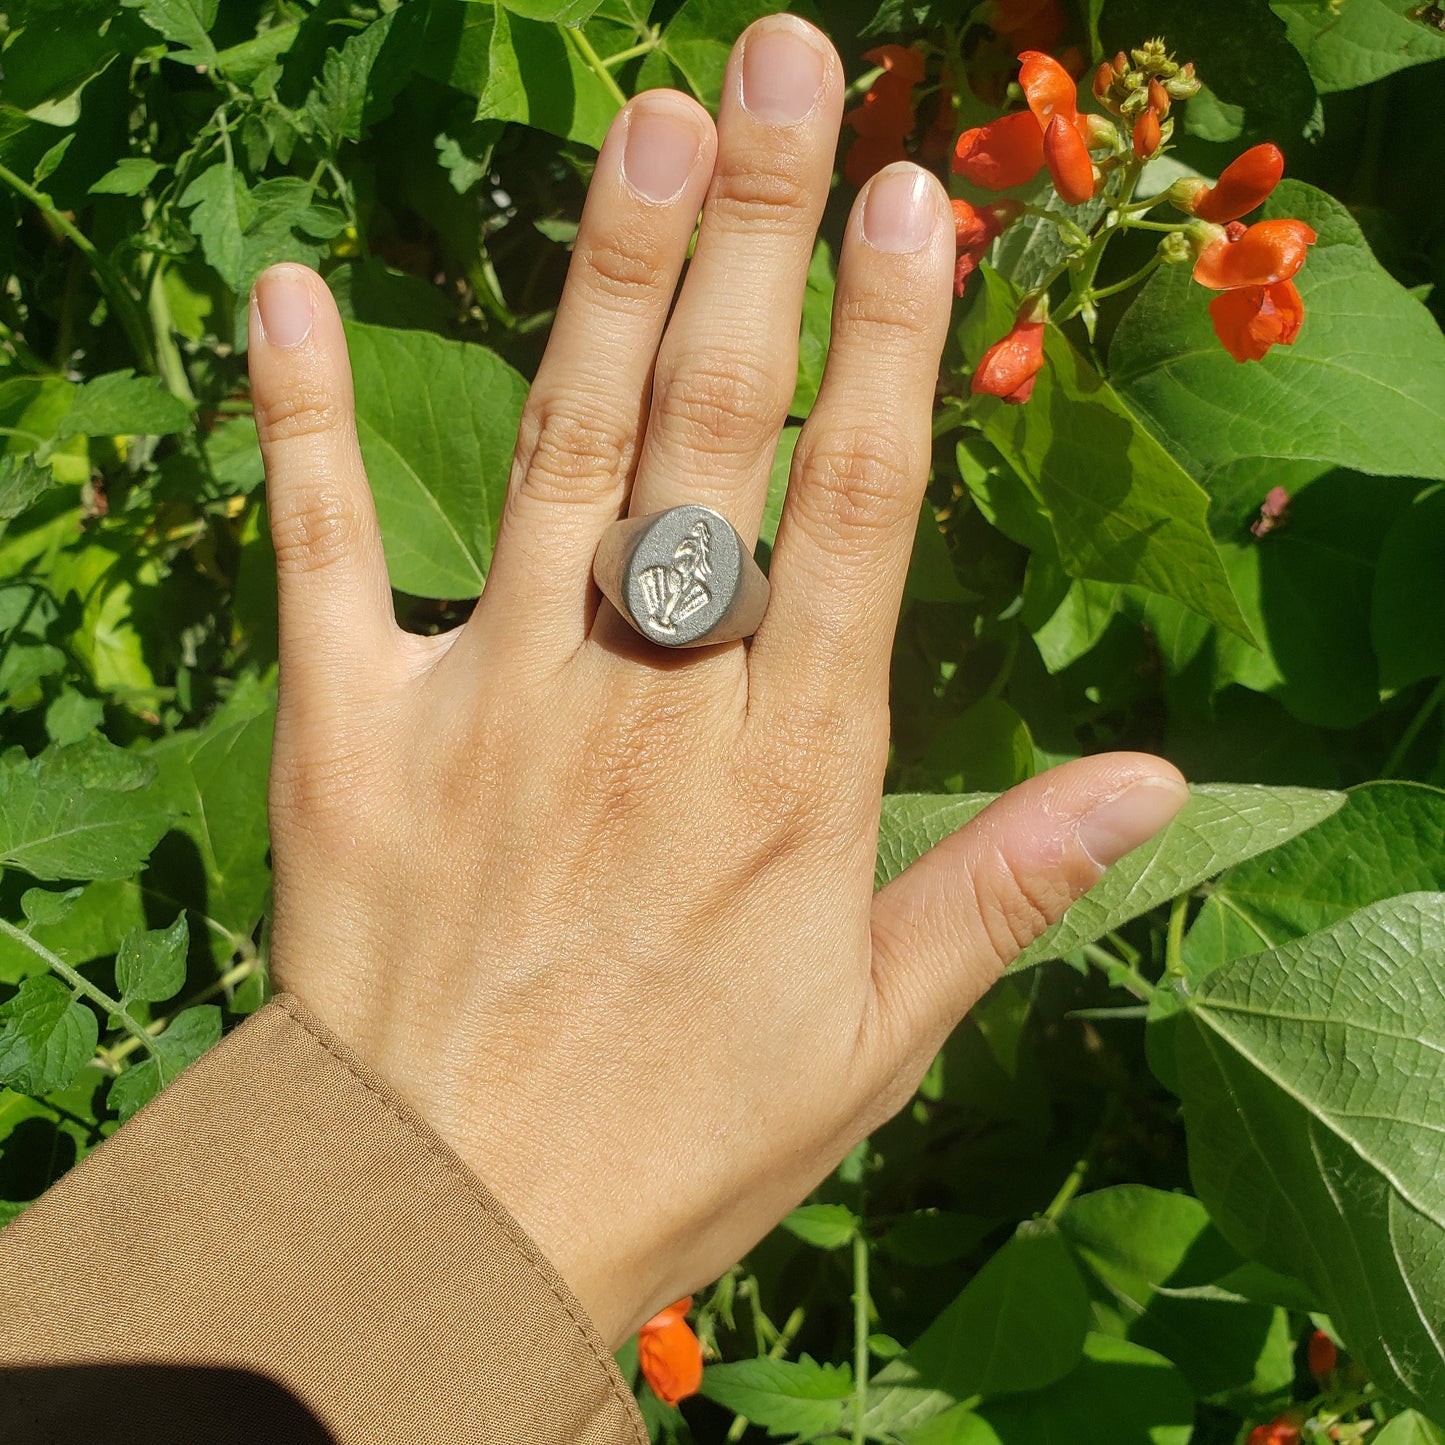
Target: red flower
<point x="1251" y="319"/>
<point x="1284" y="1430"/>
<point x="1258" y="255"/>
<point x="669" y="1354"/>
<point x="885" y="116"/>
<point x="1246" y="182"/>
<point x="975" y="229"/>
<point x="1146" y="135"/>
<point x="1323" y="1356"/>
<point x="1030" y="24"/>
<point x="1011" y="150"/>
<point x="1010" y="367"/>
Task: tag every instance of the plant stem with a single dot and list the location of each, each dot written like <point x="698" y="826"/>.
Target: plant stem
<point x="81" y="985"/>
<point x="860" y="1334"/>
<point x="1412" y="731"/>
<point x="1120" y="973"/>
<point x="234" y="975"/>
<point x="645" y="47"/>
<point x="1174" y="941"/>
<point x="1128" y="224"/>
<point x="1142" y="274"/>
<point x="1064" y="223"/>
<point x="108" y="278"/>
<point x="594" y="61"/>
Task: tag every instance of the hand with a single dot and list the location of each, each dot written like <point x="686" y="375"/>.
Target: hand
<point x="604" y="912"/>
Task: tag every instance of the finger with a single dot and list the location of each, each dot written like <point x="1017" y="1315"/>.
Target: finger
<point x="583" y="419"/>
<point x="338" y="631"/>
<point x="948" y="925"/>
<point x="727" y="366"/>
<point x="862" y="459"/>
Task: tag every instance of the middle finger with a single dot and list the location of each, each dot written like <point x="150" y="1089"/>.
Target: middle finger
<point x="726" y="368"/>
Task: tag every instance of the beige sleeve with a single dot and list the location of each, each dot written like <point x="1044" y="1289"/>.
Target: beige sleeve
<point x="277" y="1249"/>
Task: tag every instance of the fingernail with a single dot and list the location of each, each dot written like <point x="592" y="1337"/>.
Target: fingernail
<point x="898" y="215"/>
<point x="663" y="142"/>
<point x="782" y="70"/>
<point x="283" y="302"/>
<point x="1136" y="815"/>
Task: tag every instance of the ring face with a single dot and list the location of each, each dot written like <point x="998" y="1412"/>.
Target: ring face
<point x="683" y="575"/>
<point x="682" y="578"/>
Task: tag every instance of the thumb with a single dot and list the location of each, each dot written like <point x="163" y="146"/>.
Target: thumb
<point x="949" y="924"/>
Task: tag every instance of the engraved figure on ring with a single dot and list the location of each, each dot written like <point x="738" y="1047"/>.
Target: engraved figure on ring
<point x="673" y="593"/>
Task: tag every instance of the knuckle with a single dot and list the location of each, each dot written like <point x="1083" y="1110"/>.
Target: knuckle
<point x="315" y="528"/>
<point x="723" y="406"/>
<point x="569" y="453"/>
<point x="884" y="320"/>
<point x="618" y="268"/>
<point x="300" y="411"/>
<point x="761" y="192"/>
<point x="1015" y="908"/>
<point x="858" y="481"/>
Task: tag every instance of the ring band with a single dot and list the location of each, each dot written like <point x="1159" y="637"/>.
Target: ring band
<point x="682" y="578"/>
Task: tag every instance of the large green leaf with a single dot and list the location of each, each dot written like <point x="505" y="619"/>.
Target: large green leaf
<point x="151" y="963"/>
<point x="1313" y="1081"/>
<point x="1358" y="42"/>
<point x="215" y="779"/>
<point x="1364" y="387"/>
<point x="1388" y="838"/>
<point x="46" y="1037"/>
<point x="1018" y="1325"/>
<point x="1120" y="1394"/>
<point x="785" y="1397"/>
<point x="437" y="421"/>
<point x="1407" y="614"/>
<point x="188" y="1036"/>
<point x="1159" y="1274"/>
<point x="183" y="22"/>
<point x="120" y="402"/>
<point x="1121" y="508"/>
<point x="83" y="811"/>
<point x="518" y="69"/>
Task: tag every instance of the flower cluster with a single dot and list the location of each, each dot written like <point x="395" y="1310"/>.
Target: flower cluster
<point x="885" y="117"/>
<point x="1282" y="1430"/>
<point x="669" y="1355"/>
<point x="1091" y="156"/>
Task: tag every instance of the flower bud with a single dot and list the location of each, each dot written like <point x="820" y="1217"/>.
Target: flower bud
<point x="1158" y="99"/>
<point x="1099" y="134"/>
<point x="1121" y="65"/>
<point x="1067" y="158"/>
<point x="1323" y="1356"/>
<point x="1185" y="85"/>
<point x="1175" y="249"/>
<point x="1146" y="136"/>
<point x="1103" y="79"/>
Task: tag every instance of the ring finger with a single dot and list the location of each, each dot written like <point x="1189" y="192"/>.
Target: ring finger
<point x="726" y="368"/>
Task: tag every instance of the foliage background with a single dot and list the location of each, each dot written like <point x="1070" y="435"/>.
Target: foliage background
<point x="1134" y="1180"/>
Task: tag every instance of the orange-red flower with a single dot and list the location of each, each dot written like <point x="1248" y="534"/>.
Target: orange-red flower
<point x="1011" y="151"/>
<point x="1284" y="1430"/>
<point x="1011" y="366"/>
<point x="1147" y="137"/>
<point x="1257" y="255"/>
<point x="669" y="1355"/>
<point x="975" y="229"/>
<point x="885" y="116"/>
<point x="1246" y="182"/>
<point x="1323" y="1356"/>
<point x="1251" y="319"/>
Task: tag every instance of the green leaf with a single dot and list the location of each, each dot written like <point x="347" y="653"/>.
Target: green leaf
<point x="221" y="208"/>
<point x="215" y="780"/>
<point x="42" y="906"/>
<point x="1409" y="1427"/>
<point x="1120" y="1394"/>
<point x="519" y="70"/>
<point x="151" y="964"/>
<point x="22" y="483"/>
<point x="1121" y="508"/>
<point x="699" y="38"/>
<point x="1018" y="1325"/>
<point x="438" y="424"/>
<point x="1388" y="838"/>
<point x="784" y="1397"/>
<point x="1364" y="387"/>
<point x="183" y="22"/>
<point x="1220" y="825"/>
<point x="815" y="331"/>
<point x="825" y="1226"/>
<point x="189" y="1035"/>
<point x="913" y="822"/>
<point x="1353" y="44"/>
<point x="83" y="811"/>
<point x="72" y="716"/>
<point x="119" y="403"/>
<point x="554" y="12"/>
<point x="130" y="176"/>
<point x="46" y="1037"/>
<point x="359" y="80"/>
<point x="1314" y="1104"/>
<point x="1407" y="610"/>
<point x="1157" y="1271"/>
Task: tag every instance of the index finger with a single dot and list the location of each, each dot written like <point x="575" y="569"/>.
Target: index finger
<point x="862" y="460"/>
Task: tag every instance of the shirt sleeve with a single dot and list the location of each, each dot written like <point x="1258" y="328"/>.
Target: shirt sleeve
<point x="277" y="1248"/>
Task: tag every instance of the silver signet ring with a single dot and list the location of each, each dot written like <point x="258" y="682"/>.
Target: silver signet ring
<point x="682" y="578"/>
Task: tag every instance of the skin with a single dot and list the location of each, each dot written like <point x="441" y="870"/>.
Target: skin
<point x="604" y="912"/>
